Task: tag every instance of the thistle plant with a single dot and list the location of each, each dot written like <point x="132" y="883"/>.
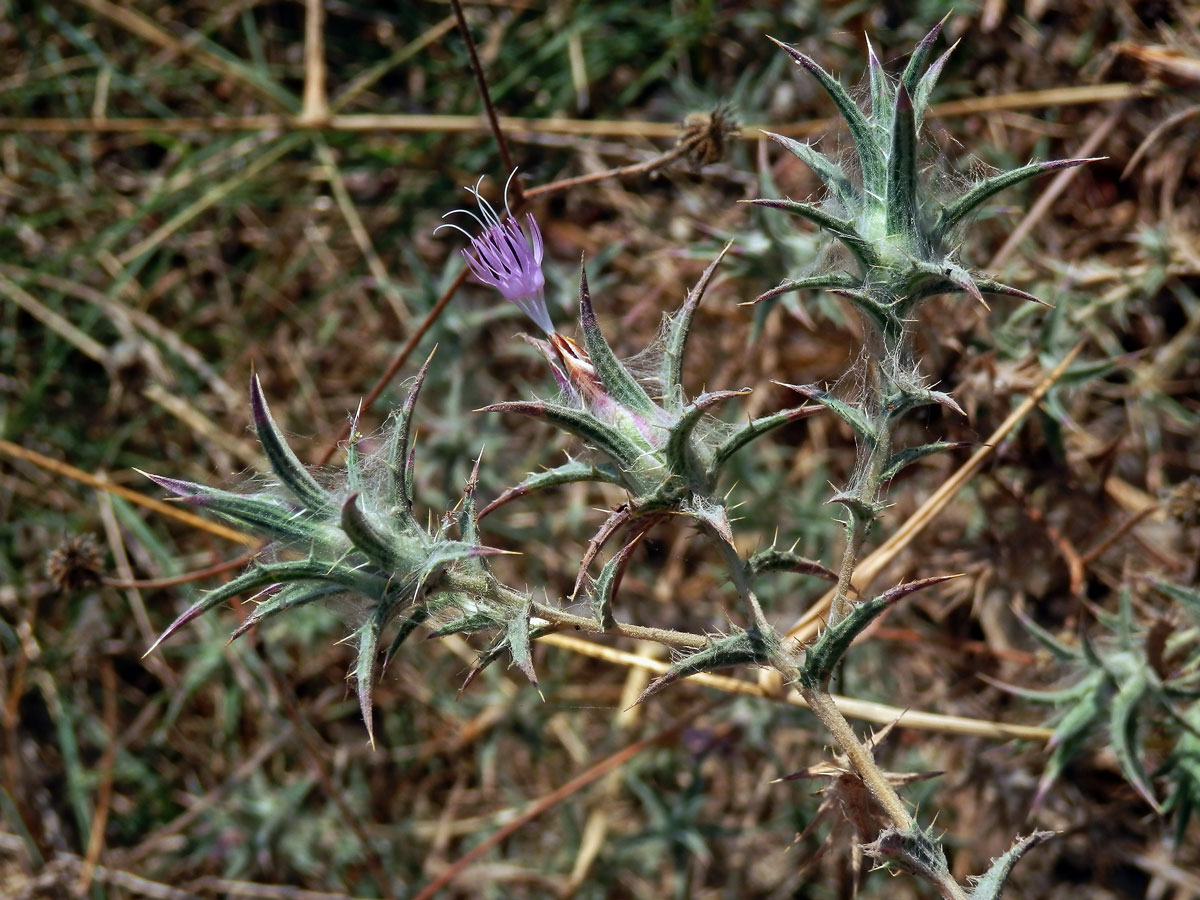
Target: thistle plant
<point x="356" y="535"/>
<point x="903" y="248"/>
<point x="1128" y="680"/>
<point x="357" y="538"/>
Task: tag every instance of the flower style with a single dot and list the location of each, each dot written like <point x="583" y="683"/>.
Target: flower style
<point x="507" y="258"/>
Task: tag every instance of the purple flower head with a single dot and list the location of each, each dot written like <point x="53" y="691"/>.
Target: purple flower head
<point x="507" y="258"/>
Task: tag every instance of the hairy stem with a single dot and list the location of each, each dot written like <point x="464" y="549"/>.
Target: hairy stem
<point x="482" y="586"/>
<point x="860" y="757"/>
<point x="738" y="571"/>
<point x="860" y="520"/>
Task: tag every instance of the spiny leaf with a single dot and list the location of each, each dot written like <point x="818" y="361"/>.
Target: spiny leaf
<point x="830" y="173"/>
<point x="608" y="582"/>
<point x="902" y="169"/>
<point x="916" y="62"/>
<point x="955" y="212"/>
<point x="398" y="474"/>
<point x="879" y="86"/>
<point x="263" y="514"/>
<point x="1122" y="727"/>
<point x="364" y="667"/>
<point x="882" y="315"/>
<point x="990" y="885"/>
<point x="852" y="415"/>
<point x="617" y="518"/>
<point x="376" y="545"/>
<point x="495" y="652"/>
<point x="677" y="335"/>
<point x="925" y="86"/>
<point x="467" y="624"/>
<point x="991" y="286"/>
<point x="255" y="578"/>
<point x="742" y="648"/>
<point x="622" y="386"/>
<point x="446" y="553"/>
<point x="1057" y="648"/>
<point x="408" y="624"/>
<point x="586" y="427"/>
<point x="284" y="463"/>
<point x="901" y="591"/>
<point x="869" y="154"/>
<point x="1189" y="598"/>
<point x="681" y="458"/>
<point x="945" y="272"/>
<point x="568" y="473"/>
<point x="773" y="560"/>
<point x="915" y="850"/>
<point x="291" y="597"/>
<point x="842" y="229"/>
<point x="1055" y="697"/>
<point x="517" y="638"/>
<point x="823" y="655"/>
<point x="1068" y="736"/>
<point x="910" y="455"/>
<point x="824" y="281"/>
<point x="753" y="430"/>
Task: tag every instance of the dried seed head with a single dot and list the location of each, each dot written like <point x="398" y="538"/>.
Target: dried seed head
<point x="75" y="564"/>
<point x="706" y="135"/>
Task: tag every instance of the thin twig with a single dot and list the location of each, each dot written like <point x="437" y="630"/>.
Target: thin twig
<point x="185" y="578"/>
<point x="486" y="96"/>
<point x="108" y="680"/>
<point x="399" y="359"/>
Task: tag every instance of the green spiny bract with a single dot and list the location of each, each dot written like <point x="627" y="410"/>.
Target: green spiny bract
<point x="667" y="452"/>
<point x="903" y="241"/>
<point x="1130" y="675"/>
<point x="360" y="540"/>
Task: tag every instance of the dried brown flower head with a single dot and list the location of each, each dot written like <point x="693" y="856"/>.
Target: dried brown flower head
<point x="75" y="564"/>
<point x="706" y="135"/>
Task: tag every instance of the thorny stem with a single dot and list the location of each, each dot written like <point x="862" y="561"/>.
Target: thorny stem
<point x="502" y="594"/>
<point x="741" y="578"/>
<point x="642" y="632"/>
<point x="860" y="757"/>
<point x="858" y="524"/>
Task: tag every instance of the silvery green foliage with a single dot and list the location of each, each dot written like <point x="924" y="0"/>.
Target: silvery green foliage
<point x="1130" y="680"/>
<point x="359" y="539"/>
<point x="903" y="240"/>
<point x="666" y="451"/>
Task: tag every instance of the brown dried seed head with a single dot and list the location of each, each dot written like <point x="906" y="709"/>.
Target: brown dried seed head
<point x="706" y="135"/>
<point x="75" y="564"/>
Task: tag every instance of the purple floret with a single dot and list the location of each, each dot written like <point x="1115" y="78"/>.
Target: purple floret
<point x="508" y="258"/>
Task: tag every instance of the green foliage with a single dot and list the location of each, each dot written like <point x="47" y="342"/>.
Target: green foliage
<point x="1132" y="683"/>
<point x="362" y="541"/>
<point x="903" y="238"/>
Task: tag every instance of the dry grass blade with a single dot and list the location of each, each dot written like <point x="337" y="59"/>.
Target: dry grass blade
<point x="16" y="451"/>
<point x="879" y="713"/>
<point x="524" y="127"/>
